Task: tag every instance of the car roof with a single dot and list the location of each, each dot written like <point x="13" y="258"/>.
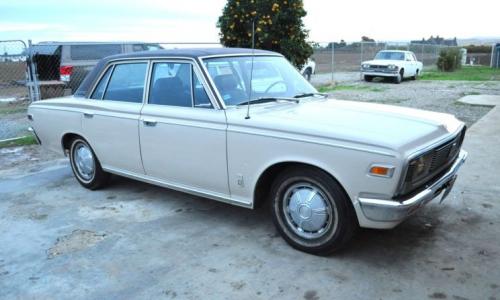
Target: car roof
<point x="190" y="53"/>
<point x="194" y="53"/>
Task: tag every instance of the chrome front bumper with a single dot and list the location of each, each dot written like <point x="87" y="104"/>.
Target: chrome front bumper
<point x="380" y="210"/>
<point x="380" y="73"/>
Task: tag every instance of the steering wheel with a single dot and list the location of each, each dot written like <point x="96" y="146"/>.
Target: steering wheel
<point x="275" y="83"/>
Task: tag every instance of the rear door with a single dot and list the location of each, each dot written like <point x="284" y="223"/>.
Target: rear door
<point x="111" y="118"/>
<point x="182" y="133"/>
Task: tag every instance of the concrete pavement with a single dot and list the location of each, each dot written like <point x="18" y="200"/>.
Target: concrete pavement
<point x="133" y="240"/>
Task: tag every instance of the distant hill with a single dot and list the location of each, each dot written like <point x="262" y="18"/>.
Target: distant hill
<point x="478" y="41"/>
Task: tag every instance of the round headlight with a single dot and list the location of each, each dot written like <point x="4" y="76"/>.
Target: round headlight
<point x="392" y="67"/>
<point x="365" y="66"/>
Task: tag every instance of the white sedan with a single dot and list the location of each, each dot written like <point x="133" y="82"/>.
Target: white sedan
<point x="394" y="64"/>
<point x="193" y="121"/>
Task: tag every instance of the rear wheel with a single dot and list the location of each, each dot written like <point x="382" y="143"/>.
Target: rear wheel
<point x="414" y="77"/>
<point x="311" y="211"/>
<point x="86" y="166"/>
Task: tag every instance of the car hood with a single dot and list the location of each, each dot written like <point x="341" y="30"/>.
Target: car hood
<point x="383" y="62"/>
<point x="372" y="125"/>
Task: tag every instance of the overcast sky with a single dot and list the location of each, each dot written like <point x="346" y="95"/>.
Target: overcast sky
<point x="194" y="20"/>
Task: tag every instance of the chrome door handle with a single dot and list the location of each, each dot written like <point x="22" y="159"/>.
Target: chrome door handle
<point x="88" y="115"/>
<point x="149" y="122"/>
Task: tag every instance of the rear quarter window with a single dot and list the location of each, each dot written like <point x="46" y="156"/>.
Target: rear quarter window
<point x="94" y="52"/>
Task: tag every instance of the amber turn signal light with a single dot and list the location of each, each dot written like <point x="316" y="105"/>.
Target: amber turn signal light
<point x="381" y="171"/>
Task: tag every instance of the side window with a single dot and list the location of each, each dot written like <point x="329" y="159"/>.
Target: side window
<point x="127" y="83"/>
<point x="200" y="95"/>
<point x="99" y="90"/>
<point x="171" y="84"/>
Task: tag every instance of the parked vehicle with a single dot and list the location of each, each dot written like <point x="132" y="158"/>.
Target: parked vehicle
<point x="308" y="69"/>
<point x="62" y="66"/>
<point x="189" y="120"/>
<point x="394" y="64"/>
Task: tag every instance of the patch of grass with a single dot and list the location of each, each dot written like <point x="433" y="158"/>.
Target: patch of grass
<point x="22" y="141"/>
<point x="467" y="73"/>
<point x="341" y="87"/>
<point x="13" y="108"/>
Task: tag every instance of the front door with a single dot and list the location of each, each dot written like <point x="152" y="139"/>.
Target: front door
<point x="182" y="134"/>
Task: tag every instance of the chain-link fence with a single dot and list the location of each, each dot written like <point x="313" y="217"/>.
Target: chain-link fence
<point x="13" y="68"/>
<point x="54" y="69"/>
<point x="60" y="67"/>
<point x="343" y="57"/>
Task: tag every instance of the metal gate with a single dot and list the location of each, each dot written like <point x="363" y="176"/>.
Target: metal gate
<point x="14" y="72"/>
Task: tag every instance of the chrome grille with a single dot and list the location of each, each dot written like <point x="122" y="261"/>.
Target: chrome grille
<point x="442" y="157"/>
<point x="377" y="67"/>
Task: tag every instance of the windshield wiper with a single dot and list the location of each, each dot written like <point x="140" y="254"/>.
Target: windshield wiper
<point x="268" y="99"/>
<point x="305" y="95"/>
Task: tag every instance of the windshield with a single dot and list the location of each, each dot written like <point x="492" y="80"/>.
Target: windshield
<point x="390" y="55"/>
<point x="273" y="76"/>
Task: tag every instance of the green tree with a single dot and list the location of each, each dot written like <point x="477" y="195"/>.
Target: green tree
<point x="278" y="27"/>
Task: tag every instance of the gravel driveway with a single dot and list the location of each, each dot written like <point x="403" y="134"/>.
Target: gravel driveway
<point x="438" y="96"/>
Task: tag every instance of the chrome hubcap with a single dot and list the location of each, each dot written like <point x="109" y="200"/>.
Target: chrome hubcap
<point x="84" y="161"/>
<point x="307" y="210"/>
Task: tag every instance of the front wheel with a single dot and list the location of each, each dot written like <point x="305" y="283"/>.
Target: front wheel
<point x="86" y="166"/>
<point x="311" y="211"/>
<point x="399" y="78"/>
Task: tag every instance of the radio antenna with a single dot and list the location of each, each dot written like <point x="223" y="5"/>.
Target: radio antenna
<point x="251" y="70"/>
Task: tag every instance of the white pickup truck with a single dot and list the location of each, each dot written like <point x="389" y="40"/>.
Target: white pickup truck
<point x="394" y="64"/>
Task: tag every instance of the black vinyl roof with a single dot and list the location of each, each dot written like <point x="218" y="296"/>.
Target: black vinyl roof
<point x="185" y="52"/>
<point x="190" y="52"/>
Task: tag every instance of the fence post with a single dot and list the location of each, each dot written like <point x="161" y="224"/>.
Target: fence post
<point x="498" y="56"/>
<point x="33" y="73"/>
<point x="333" y="59"/>
<point x="422" y="56"/>
<point x="492" y="55"/>
<point x="361" y="57"/>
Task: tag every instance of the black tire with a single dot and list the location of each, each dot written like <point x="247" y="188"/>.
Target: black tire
<point x="98" y="178"/>
<point x="398" y="79"/>
<point x="368" y="78"/>
<point x="342" y="217"/>
<point x="414" y="77"/>
<point x="307" y="74"/>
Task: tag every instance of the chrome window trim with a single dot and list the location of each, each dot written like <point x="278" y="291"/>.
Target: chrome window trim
<point x="191" y="85"/>
<point x="415" y="154"/>
<point x="197" y="72"/>
<point x="113" y="65"/>
<point x="99" y="81"/>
